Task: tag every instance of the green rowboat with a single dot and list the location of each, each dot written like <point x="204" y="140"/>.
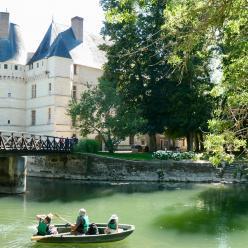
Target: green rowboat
<point x="64" y="235"/>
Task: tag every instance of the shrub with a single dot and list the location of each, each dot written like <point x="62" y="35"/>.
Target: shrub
<point x="87" y="145"/>
<point x="165" y="155"/>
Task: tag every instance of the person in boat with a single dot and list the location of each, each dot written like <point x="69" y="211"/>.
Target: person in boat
<point x="93" y="229"/>
<point x="112" y="226"/>
<point x="44" y="224"/>
<point x="82" y="223"/>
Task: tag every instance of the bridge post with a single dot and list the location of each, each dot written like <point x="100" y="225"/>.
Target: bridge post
<point x="12" y="174"/>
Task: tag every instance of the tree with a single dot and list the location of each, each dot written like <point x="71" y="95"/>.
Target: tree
<point x="135" y="58"/>
<point x="138" y="63"/>
<point x="222" y="26"/>
<point x="99" y="110"/>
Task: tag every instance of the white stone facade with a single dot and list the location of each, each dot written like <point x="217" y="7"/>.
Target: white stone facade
<point x="46" y="89"/>
<point x="34" y="96"/>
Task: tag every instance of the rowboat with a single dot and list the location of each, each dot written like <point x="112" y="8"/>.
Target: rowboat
<point x="64" y="235"/>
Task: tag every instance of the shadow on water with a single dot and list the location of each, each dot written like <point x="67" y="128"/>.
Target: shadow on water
<point x="119" y="244"/>
<point x="216" y="210"/>
<point x="46" y="190"/>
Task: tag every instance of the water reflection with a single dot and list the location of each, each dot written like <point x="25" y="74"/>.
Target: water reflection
<point x="217" y="210"/>
<point x="46" y="190"/>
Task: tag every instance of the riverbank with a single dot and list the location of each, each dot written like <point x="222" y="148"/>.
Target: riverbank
<point x="100" y="168"/>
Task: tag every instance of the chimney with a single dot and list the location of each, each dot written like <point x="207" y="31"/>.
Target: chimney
<point x="77" y="24"/>
<point x="4" y="25"/>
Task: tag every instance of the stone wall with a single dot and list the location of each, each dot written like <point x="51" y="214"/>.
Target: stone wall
<point x="92" y="167"/>
<point x="12" y="174"/>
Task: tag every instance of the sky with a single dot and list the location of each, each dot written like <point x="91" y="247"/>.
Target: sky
<point x="35" y="16"/>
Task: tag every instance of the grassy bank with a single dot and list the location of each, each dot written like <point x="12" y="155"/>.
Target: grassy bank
<point x="129" y="156"/>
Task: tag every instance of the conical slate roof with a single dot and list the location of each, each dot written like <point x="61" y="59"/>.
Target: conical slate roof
<point x="12" y="49"/>
<point x="60" y="41"/>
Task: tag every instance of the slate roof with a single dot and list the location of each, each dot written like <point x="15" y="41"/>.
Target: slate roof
<point x="60" y="41"/>
<point x="13" y="49"/>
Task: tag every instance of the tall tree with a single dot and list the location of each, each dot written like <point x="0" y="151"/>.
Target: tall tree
<point x="135" y="58"/>
<point x="138" y="63"/>
<point x="221" y="25"/>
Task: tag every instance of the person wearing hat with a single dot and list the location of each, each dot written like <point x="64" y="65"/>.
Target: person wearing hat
<point x="82" y="223"/>
<point x="44" y="223"/>
<point x="112" y="226"/>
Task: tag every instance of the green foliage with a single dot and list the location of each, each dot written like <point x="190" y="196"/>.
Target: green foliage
<point x="220" y="26"/>
<point x="144" y="73"/>
<point x="87" y="145"/>
<point x="100" y="110"/>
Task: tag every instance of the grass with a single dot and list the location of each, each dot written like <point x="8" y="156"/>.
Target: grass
<point x="129" y="156"/>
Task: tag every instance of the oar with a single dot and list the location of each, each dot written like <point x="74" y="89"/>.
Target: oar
<point x="38" y="237"/>
<point x="63" y="219"/>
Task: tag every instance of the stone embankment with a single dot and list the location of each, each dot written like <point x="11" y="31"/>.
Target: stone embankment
<point x="94" y="167"/>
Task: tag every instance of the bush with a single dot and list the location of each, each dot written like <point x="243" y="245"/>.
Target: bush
<point x="165" y="155"/>
<point x="87" y="145"/>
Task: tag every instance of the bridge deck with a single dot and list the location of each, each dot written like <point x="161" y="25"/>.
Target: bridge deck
<point x="25" y="143"/>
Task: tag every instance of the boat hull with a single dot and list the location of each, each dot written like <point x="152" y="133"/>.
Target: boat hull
<point x="64" y="235"/>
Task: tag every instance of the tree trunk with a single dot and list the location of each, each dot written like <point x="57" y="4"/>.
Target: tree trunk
<point x="190" y="141"/>
<point x="197" y="142"/>
<point x="152" y="143"/>
<point x="201" y="141"/>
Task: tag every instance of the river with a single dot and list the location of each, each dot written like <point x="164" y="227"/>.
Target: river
<point x="166" y="215"/>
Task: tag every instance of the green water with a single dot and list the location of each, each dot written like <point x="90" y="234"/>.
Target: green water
<point x="165" y="215"/>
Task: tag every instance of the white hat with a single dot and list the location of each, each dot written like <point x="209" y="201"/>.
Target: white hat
<point x="82" y="212"/>
<point x="114" y="217"/>
<point x="50" y="215"/>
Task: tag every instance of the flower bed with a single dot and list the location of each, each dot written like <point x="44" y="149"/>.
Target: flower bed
<point x="166" y="155"/>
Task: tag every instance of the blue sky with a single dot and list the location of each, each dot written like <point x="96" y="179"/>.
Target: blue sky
<point x="34" y="17"/>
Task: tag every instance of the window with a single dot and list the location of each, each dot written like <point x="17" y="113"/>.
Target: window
<point x="16" y="67"/>
<point x="37" y="65"/>
<point x="8" y="121"/>
<point x="49" y="88"/>
<point x="33" y="93"/>
<point x="75" y="69"/>
<point x="5" y="66"/>
<point x="30" y="66"/>
<point x="33" y="117"/>
<point x="9" y="94"/>
<point x="49" y="115"/>
<point x="74" y="92"/>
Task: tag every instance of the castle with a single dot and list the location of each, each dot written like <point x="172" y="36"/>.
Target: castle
<point x="35" y="88"/>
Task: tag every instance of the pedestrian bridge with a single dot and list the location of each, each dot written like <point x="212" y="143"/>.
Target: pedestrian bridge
<point x="32" y="144"/>
<point x="14" y="147"/>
